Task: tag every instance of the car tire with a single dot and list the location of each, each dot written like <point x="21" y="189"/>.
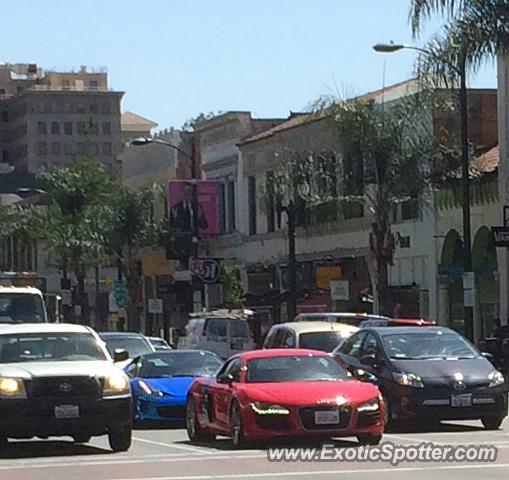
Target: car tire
<point x="491" y="422"/>
<point x="81" y="438"/>
<point x="236" y="428"/>
<point x="367" y="439"/>
<point x="194" y="431"/>
<point x="120" y="439"/>
<point x="387" y="411"/>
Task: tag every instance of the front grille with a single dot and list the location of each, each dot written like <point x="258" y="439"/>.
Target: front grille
<point x="172" y="412"/>
<point x="273" y="422"/>
<point x="366" y="419"/>
<point x="65" y="387"/>
<point x="307" y="417"/>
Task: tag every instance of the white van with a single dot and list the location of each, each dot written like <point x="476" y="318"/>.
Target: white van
<point x="222" y="333"/>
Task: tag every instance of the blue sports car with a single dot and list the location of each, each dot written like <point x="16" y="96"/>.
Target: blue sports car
<point x="160" y="382"/>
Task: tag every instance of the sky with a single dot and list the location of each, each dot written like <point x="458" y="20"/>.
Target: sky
<point x="177" y="58"/>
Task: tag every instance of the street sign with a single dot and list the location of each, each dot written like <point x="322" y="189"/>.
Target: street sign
<point x="155" y="305"/>
<point x="208" y="270"/>
<point x="501" y="236"/>
<point x="112" y="303"/>
<point x="119" y="288"/>
<point x="339" y="290"/>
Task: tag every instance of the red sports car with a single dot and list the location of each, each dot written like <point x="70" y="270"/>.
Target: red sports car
<point x="263" y="394"/>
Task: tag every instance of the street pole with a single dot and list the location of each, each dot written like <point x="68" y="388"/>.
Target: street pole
<point x="465" y="188"/>
<point x="292" y="263"/>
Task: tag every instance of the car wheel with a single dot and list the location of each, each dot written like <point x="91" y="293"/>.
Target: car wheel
<point x="194" y="430"/>
<point x="3" y="441"/>
<point x="369" y="439"/>
<point x="120" y="439"/>
<point x="236" y="427"/>
<point x="82" y="438"/>
<point x="492" y="423"/>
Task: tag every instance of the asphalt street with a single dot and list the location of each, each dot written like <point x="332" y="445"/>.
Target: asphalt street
<point x="165" y="453"/>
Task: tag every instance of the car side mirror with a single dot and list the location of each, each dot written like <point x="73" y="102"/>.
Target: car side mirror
<point x="364" y="376"/>
<point x="488" y="356"/>
<point x="225" y="379"/>
<point x="120" y="355"/>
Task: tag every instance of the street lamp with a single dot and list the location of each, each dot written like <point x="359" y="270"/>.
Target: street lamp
<point x="460" y="70"/>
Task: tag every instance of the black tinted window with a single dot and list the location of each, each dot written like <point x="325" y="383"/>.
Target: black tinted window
<point x="179" y="364"/>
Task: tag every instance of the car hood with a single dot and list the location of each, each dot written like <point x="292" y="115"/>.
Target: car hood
<point x="473" y="370"/>
<point x="61" y="369"/>
<point x="312" y="393"/>
<point x="174" y="386"/>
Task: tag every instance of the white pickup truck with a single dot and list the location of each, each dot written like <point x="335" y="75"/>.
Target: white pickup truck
<point x="22" y="305"/>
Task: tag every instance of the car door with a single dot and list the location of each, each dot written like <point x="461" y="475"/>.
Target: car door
<point x="221" y="393"/>
<point x="349" y="354"/>
<point x="380" y="368"/>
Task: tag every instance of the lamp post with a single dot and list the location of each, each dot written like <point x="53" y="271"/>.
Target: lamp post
<point x="459" y="70"/>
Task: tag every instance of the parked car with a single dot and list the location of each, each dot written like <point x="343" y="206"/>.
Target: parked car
<point x="59" y="380"/>
<point x="220" y="332"/>
<point x="159" y="343"/>
<point x="339" y="317"/>
<point x="322" y="336"/>
<point x="397" y="322"/>
<point x="160" y="382"/>
<point x="428" y="374"/>
<point x="134" y="344"/>
<point x="264" y="394"/>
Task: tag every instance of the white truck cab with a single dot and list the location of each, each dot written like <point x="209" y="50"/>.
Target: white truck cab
<point x="22" y="305"/>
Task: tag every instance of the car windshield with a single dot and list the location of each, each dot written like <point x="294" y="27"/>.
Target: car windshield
<point x="17" y="348"/>
<point x="325" y="341"/>
<point x="298" y="368"/>
<point x="180" y="364"/>
<point x="428" y="345"/>
<point x="21" y="307"/>
<point x="158" y="342"/>
<point x="134" y="345"/>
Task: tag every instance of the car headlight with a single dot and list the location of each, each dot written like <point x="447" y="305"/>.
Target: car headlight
<point x="12" y="388"/>
<point x="150" y="391"/>
<point x="117" y="384"/>
<point x="263" y="408"/>
<point x="408" y="380"/>
<point x="371" y="406"/>
<point x="496" y="378"/>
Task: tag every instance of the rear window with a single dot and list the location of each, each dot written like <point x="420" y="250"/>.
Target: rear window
<point x="21" y="308"/>
<point x="325" y="341"/>
<point x="239" y="329"/>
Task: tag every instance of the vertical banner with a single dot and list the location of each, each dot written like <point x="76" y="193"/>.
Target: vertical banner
<point x="194" y="207"/>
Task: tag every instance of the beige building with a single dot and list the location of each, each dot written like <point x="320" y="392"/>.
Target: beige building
<point x="46" y="118"/>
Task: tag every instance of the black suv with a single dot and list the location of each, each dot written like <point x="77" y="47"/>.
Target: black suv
<point x="59" y="380"/>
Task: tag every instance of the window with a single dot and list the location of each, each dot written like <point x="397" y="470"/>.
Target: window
<point x="269" y="340"/>
<point x="55" y="148"/>
<point x="370" y="346"/>
<point x="66" y="84"/>
<point x="41" y="128"/>
<point x="278" y="338"/>
<point x="93" y="84"/>
<point x="105" y="108"/>
<point x="82" y="128"/>
<point x="4" y="116"/>
<point x="233" y="369"/>
<point x="55" y="128"/>
<point x="289" y="340"/>
<point x="92" y="108"/>
<point x="410" y="209"/>
<point x="106" y="128"/>
<point x="68" y="128"/>
<point x="80" y="148"/>
<point x="68" y="148"/>
<point x="230" y="198"/>
<point x="251" y="192"/>
<point x="81" y="108"/>
<point x="216" y="328"/>
<point x="5" y="156"/>
<point x="352" y="347"/>
<point x="222" y="208"/>
<point x="42" y="149"/>
<point x="271" y="213"/>
<point x="107" y="150"/>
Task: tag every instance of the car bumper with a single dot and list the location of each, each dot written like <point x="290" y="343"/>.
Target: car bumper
<point x="300" y="423"/>
<point x="26" y="418"/>
<point x="409" y="404"/>
<point x="171" y="409"/>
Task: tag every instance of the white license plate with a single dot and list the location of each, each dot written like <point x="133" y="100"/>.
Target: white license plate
<point x="461" y="400"/>
<point x="327" y="417"/>
<point x="67" y="411"/>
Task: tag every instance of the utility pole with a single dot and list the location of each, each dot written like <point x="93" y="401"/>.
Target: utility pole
<point x="292" y="263"/>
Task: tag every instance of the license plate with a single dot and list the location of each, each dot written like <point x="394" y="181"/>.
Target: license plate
<point x="67" y="411"/>
<point x="461" y="400"/>
<point x="327" y="417"/>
